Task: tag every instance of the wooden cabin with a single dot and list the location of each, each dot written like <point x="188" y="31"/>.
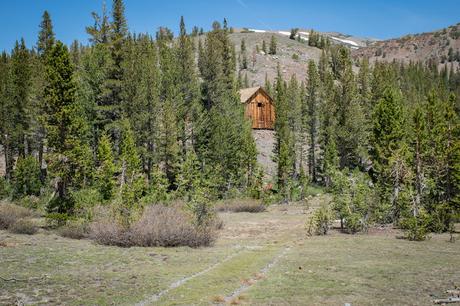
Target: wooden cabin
<point x="259" y="107"/>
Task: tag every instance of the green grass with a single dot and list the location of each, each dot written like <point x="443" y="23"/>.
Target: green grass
<point x="361" y="270"/>
<point x="374" y="269"/>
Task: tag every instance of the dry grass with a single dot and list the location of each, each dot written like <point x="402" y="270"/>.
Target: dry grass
<point x="159" y="226"/>
<point x="23" y="226"/>
<point x="241" y="205"/>
<point x="10" y="214"/>
<point x="74" y="230"/>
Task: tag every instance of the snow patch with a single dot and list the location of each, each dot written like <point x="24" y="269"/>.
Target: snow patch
<point x="257" y="31"/>
<point x="346" y="41"/>
<point x="284" y="33"/>
<point x="304" y="33"/>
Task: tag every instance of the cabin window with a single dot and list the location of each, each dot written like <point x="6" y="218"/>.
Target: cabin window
<point x="259" y="104"/>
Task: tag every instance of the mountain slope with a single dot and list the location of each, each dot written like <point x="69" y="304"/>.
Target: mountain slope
<point x="440" y="46"/>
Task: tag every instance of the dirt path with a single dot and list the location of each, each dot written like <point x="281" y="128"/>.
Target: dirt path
<point x="182" y="281"/>
<point x="259" y="276"/>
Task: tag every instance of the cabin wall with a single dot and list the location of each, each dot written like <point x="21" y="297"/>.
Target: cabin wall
<point x="261" y="111"/>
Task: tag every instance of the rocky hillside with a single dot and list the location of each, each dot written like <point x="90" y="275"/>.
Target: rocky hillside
<point x="442" y="46"/>
<point x="292" y="55"/>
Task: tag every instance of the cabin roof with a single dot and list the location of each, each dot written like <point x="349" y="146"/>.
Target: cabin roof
<point x="247" y="93"/>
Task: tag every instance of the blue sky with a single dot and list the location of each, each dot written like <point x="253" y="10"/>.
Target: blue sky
<point x="379" y="19"/>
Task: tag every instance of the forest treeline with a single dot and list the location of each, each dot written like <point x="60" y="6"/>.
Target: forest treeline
<point x="131" y="120"/>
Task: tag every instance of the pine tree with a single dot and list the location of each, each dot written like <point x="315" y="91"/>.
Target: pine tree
<point x="105" y="177"/>
<point x="390" y="151"/>
<point x="141" y="95"/>
<point x="45" y="42"/>
<point x="110" y="104"/>
<point x="244" y="55"/>
<point x="189" y="177"/>
<point x="45" y="35"/>
<point x="293" y="33"/>
<point x="284" y="151"/>
<point x="311" y="118"/>
<point x="442" y="155"/>
<point x="272" y="45"/>
<point x="264" y="47"/>
<point x="352" y="131"/>
<point x="132" y="181"/>
<point x="294" y="100"/>
<point x="225" y="143"/>
<point x="190" y="110"/>
<point x="7" y="125"/>
<point x="70" y="160"/>
<point x="418" y="149"/>
<point x="172" y="105"/>
<point x="100" y="31"/>
<point x="20" y="94"/>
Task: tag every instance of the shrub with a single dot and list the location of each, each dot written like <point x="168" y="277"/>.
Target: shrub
<point x="352" y="195"/>
<point x="158" y="226"/>
<point x="354" y="223"/>
<point x="26" y="177"/>
<point x="109" y="232"/>
<point x="241" y="205"/>
<point x="85" y="200"/>
<point x="5" y="188"/>
<point x="416" y="228"/>
<point x="10" y="214"/>
<point x="74" y="230"/>
<point x="440" y="218"/>
<point x="55" y="220"/>
<point x="321" y="221"/>
<point x="23" y="226"/>
<point x="169" y="227"/>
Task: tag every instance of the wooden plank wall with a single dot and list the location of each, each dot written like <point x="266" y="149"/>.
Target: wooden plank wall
<point x="262" y="117"/>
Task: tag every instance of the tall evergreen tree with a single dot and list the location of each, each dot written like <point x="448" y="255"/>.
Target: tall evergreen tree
<point x="190" y="110"/>
<point x="20" y="94"/>
<point x="45" y="35"/>
<point x="225" y="145"/>
<point x="105" y="177"/>
<point x="390" y="152"/>
<point x="45" y="42"/>
<point x="7" y="122"/>
<point x="284" y="151"/>
<point x="272" y="49"/>
<point x="311" y="118"/>
<point x="110" y="104"/>
<point x="70" y="160"/>
<point x="244" y="55"/>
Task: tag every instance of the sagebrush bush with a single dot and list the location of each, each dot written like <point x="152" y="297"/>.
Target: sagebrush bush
<point x="10" y="214"/>
<point x="158" y="226"/>
<point x="74" y="230"/>
<point x="109" y="232"/>
<point x="169" y="227"/>
<point x="23" y="226"/>
<point x="241" y="205"/>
